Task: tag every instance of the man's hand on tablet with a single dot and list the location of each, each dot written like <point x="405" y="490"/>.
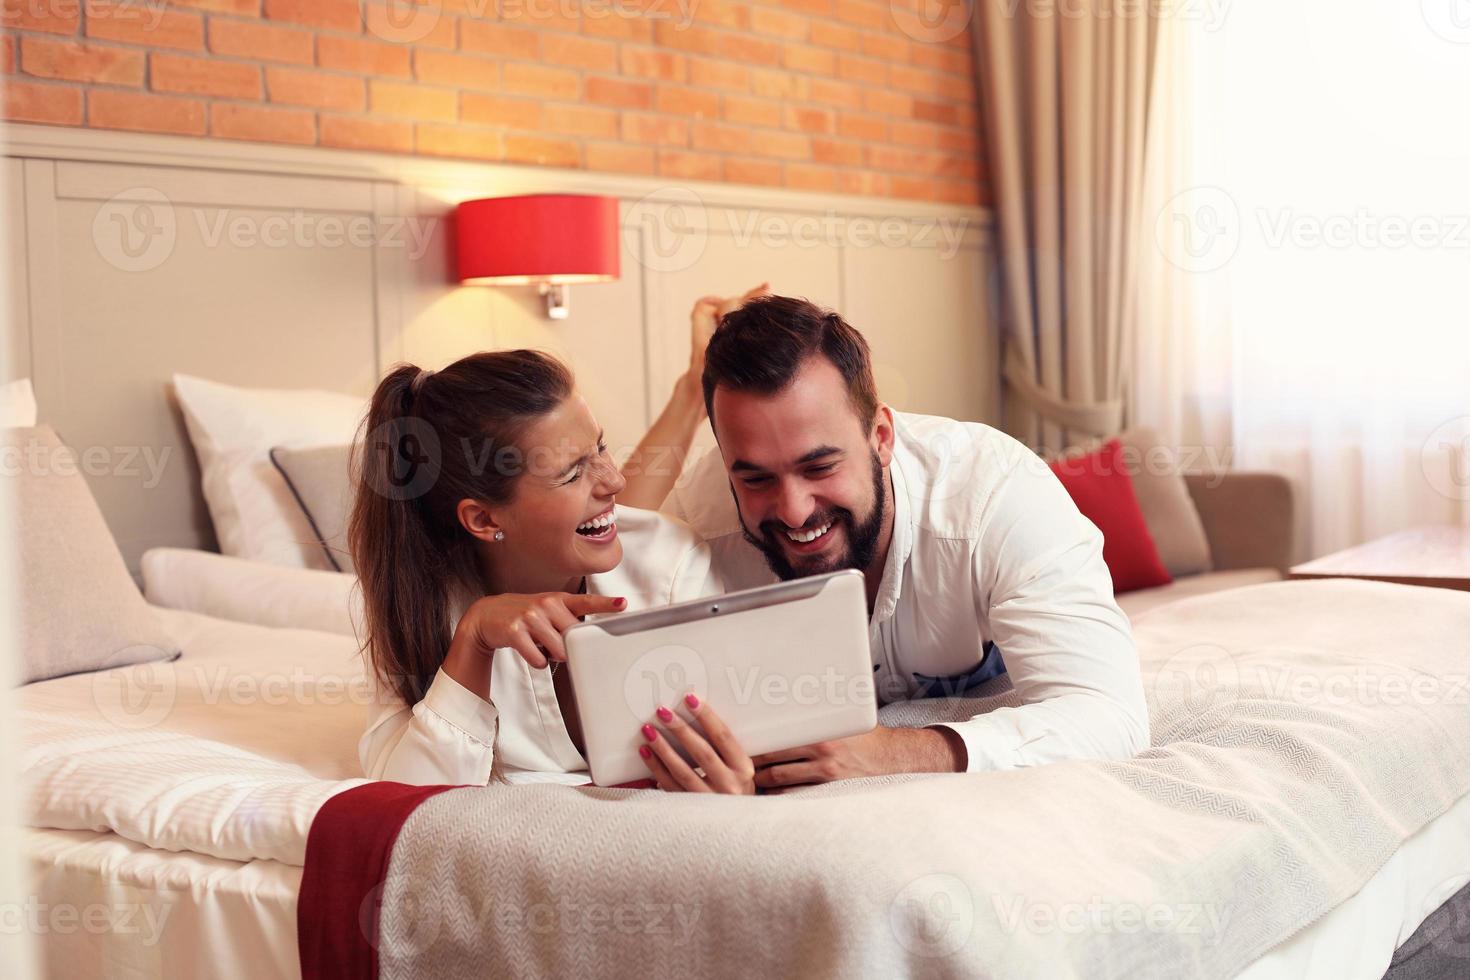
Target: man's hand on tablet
<point x="727" y="769"/>
<point x="877" y="753"/>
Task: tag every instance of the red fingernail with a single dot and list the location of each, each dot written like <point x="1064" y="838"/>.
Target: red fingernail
<point x="664" y="714"/>
<point x="691" y="700"/>
<point x="649" y="733"/>
<point x="620" y="602"/>
<point x="645" y="751"/>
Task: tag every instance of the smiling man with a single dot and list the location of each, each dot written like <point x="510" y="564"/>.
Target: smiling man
<point x="977" y="562"/>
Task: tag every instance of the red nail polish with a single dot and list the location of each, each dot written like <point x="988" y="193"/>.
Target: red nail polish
<point x="649" y="733"/>
<point x="664" y="714"/>
<point x="691" y="700"/>
<point x="645" y="751"/>
<point x="620" y="602"/>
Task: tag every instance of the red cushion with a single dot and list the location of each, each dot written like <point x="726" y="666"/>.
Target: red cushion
<point x="1102" y="489"/>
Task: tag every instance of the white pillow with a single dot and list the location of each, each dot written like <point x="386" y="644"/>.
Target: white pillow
<point x="251" y="591"/>
<point x="17" y="405"/>
<point x="233" y="429"/>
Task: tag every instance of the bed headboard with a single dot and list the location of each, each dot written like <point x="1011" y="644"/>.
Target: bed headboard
<point x="137" y="256"/>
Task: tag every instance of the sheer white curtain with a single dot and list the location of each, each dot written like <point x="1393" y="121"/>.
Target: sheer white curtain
<point x="1308" y="307"/>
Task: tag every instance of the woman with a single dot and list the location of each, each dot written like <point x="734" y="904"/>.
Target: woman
<point x="485" y="525"/>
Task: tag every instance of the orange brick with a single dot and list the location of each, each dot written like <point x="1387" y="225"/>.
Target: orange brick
<point x="805" y="57"/>
<point x="830" y="35"/>
<point x="862" y="182"/>
<point x="546" y="83"/>
<point x="665" y="66"/>
<point x="461" y="70"/>
<point x="904" y="160"/>
<point x="959" y="140"/>
<point x="915" y="134"/>
<point x="809" y="120"/>
<point x="108" y="20"/>
<point x="203" y="76"/>
<point x="940" y="112"/>
<point x="108" y="109"/>
<point x="942" y="59"/>
<point x="785" y="146"/>
<point x="752" y="112"/>
<point x="413" y="101"/>
<point x="77" y="62"/>
<point x="892" y="103"/>
<point x="781" y="23"/>
<point x="404" y="22"/>
<point x="959" y="192"/>
<point x="814" y="8"/>
<point x="886" y="46"/>
<point x="489" y="37"/>
<point x="726" y="75"/>
<point x="359" y="55"/>
<point x="917" y="188"/>
<point x="916" y="80"/>
<point x="610" y="22"/>
<point x="844" y="94"/>
<point x="363" y="133"/>
<point x="253" y="39"/>
<point x="7" y="54"/>
<point x="618" y="93"/>
<point x="580" y="120"/>
<point x="30" y="102"/>
<point x="459" y="141"/>
<point x="28" y="15"/>
<point x="724" y="44"/>
<point x="723" y="138"/>
<point x="539" y="150"/>
<point x="742" y="171"/>
<point x="775" y="84"/>
<point x="620" y="158"/>
<point x="957" y="89"/>
<point x="862" y="13"/>
<point x="836" y="151"/>
<point x="493" y="110"/>
<point x="871" y="128"/>
<point x="317" y="89"/>
<point x="663" y="130"/>
<point x="245" y="8"/>
<point x="263" y="124"/>
<point x="337" y="15"/>
<point x="808" y="177"/>
<point x="541" y="14"/>
<point x="579" y="52"/>
<point x="723" y="13"/>
<point x="690" y="166"/>
<point x="688" y="102"/>
<point x="855" y="69"/>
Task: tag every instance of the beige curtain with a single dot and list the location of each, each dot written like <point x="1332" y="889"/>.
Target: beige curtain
<point x="1066" y="95"/>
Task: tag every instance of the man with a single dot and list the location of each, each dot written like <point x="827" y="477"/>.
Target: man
<point x="971" y="548"/>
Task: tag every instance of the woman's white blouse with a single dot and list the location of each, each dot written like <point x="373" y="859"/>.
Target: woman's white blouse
<point x="452" y="735"/>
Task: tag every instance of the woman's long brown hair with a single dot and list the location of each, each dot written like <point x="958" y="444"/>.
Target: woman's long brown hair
<point x="429" y="441"/>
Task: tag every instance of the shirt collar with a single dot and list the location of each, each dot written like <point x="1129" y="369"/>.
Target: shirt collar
<point x="902" y="542"/>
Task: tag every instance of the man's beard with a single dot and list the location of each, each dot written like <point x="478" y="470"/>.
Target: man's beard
<point x="862" y="539"/>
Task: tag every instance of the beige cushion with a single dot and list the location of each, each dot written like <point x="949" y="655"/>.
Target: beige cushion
<point x="1137" y="603"/>
<point x="80" y="610"/>
<point x="1167" y="507"/>
<point x="319" y="480"/>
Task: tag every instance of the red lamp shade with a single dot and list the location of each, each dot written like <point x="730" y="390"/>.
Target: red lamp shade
<point x="550" y="238"/>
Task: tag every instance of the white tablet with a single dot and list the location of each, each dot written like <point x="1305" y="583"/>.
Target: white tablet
<point x="784" y="665"/>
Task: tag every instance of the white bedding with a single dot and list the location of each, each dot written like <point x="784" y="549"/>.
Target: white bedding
<point x="277" y="706"/>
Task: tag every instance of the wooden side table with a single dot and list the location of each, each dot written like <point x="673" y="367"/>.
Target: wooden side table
<point x="1434" y="556"/>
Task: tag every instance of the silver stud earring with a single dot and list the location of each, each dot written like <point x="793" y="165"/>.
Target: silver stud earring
<point x="499" y="535"/>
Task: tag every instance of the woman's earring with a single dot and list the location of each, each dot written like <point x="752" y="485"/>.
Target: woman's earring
<point x="499" y="535"/>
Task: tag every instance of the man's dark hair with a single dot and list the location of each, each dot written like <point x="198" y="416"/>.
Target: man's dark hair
<point x="762" y="345"/>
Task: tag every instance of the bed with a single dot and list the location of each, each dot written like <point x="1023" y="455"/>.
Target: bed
<point x="258" y="729"/>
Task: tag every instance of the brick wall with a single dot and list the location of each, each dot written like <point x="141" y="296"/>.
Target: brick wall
<point x="831" y="95"/>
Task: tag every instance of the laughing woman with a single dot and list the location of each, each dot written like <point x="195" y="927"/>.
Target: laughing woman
<point x="485" y="525"/>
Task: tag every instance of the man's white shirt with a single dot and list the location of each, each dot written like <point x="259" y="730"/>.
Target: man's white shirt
<point x="987" y="547"/>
